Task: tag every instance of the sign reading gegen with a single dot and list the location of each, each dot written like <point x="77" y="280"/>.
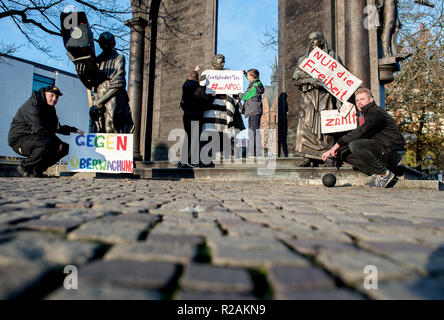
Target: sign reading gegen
<point x="223" y="81"/>
<point x="340" y="82"/>
<point x="101" y="152"/>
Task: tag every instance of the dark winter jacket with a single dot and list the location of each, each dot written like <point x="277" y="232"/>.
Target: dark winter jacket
<point x="378" y="125"/>
<point x="36" y="117"/>
<point x="253" y="98"/>
<point x="194" y="99"/>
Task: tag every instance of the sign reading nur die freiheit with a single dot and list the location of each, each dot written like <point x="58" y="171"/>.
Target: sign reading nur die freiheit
<point x="101" y="152"/>
<point x="340" y="83"/>
<point x="336" y="79"/>
<point x="223" y="81"/>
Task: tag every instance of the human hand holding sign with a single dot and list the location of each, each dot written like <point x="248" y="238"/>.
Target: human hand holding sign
<point x="330" y="153"/>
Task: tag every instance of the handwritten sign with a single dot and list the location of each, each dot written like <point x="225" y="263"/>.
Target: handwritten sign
<point x="100" y="152"/>
<point x="336" y="79"/>
<point x="223" y="81"/>
<point x="335" y="121"/>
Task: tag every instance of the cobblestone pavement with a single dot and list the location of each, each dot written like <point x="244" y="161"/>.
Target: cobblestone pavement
<point x="152" y="239"/>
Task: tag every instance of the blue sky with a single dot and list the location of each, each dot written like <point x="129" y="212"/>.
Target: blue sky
<point x="240" y="27"/>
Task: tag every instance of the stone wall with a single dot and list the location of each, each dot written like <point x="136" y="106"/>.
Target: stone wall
<point x="186" y="36"/>
<point x="294" y="18"/>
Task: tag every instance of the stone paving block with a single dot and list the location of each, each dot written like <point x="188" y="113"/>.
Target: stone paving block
<point x="201" y="277"/>
<point x="423" y="259"/>
<point x="16" y="278"/>
<point x="413" y="289"/>
<point x="46" y="250"/>
<point x="185" y="230"/>
<point x="337" y="294"/>
<point x="104" y="292"/>
<point x="191" y="240"/>
<point x="304" y="232"/>
<point x="134" y="217"/>
<point x="154" y="275"/>
<point x="254" y="243"/>
<point x="424" y="235"/>
<point x="205" y="295"/>
<point x="6" y="228"/>
<point x="109" y="231"/>
<point x="285" y="278"/>
<point x="314" y="247"/>
<point x="249" y="258"/>
<point x="62" y="226"/>
<point x="82" y="215"/>
<point x="173" y="252"/>
<point x="349" y="266"/>
<point x="363" y="234"/>
<point x="21" y="215"/>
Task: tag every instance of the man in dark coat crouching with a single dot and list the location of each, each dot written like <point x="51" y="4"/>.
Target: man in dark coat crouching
<point x="33" y="133"/>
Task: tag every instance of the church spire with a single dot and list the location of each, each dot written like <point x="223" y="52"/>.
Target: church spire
<point x="274" y="74"/>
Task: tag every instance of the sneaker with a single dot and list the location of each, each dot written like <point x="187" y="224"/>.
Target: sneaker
<point x="24" y="173"/>
<point x="186" y="166"/>
<point x="382" y="181"/>
<point x="40" y="174"/>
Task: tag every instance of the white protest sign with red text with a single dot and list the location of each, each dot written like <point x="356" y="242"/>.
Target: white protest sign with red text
<point x="223" y="81"/>
<point x="333" y="76"/>
<point x="335" y="121"/>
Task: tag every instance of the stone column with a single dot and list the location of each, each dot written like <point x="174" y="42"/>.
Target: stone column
<point x="135" y="78"/>
<point x="357" y="40"/>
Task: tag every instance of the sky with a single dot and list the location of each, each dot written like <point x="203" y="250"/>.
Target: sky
<point x="241" y="25"/>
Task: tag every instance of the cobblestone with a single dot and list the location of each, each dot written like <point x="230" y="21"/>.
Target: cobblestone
<point x="153" y="239"/>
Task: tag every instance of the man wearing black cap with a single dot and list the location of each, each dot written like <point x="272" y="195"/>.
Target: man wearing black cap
<point x="33" y="133"/>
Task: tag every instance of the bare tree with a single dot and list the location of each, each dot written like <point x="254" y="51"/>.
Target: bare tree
<point x="36" y="19"/>
<point x="270" y="39"/>
<point x="416" y="97"/>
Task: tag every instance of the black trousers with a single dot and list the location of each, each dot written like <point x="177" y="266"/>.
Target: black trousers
<point x="187" y="125"/>
<point x="41" y="152"/>
<point x="254" y="135"/>
<point x="366" y="155"/>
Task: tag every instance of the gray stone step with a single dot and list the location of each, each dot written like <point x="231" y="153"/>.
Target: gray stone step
<point x="286" y="169"/>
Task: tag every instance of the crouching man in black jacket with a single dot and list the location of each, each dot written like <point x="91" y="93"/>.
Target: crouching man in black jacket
<point x="373" y="147"/>
<point x="33" y="133"/>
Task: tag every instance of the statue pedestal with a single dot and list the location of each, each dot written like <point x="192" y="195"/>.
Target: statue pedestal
<point x="387" y="66"/>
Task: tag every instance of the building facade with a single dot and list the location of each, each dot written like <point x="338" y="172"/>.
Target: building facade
<point x="270" y="116"/>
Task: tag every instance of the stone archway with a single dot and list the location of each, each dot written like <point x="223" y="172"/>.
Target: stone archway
<point x="183" y="33"/>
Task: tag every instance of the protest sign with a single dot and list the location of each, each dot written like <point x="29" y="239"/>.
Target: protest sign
<point x="335" y="121"/>
<point x="101" y="152"/>
<point x="223" y="81"/>
<point x="333" y="76"/>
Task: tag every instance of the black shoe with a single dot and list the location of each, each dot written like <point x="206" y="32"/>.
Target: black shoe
<point x="209" y="165"/>
<point x="306" y="163"/>
<point x="24" y="172"/>
<point x="329" y="163"/>
<point x="185" y="166"/>
<point x="40" y="174"/>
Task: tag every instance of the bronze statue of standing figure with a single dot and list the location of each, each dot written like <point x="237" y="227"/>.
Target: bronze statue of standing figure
<point x="309" y="139"/>
<point x="105" y="77"/>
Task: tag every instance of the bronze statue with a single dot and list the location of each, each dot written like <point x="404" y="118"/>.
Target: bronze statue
<point x="105" y="77"/>
<point x="309" y="139"/>
<point x="388" y="10"/>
